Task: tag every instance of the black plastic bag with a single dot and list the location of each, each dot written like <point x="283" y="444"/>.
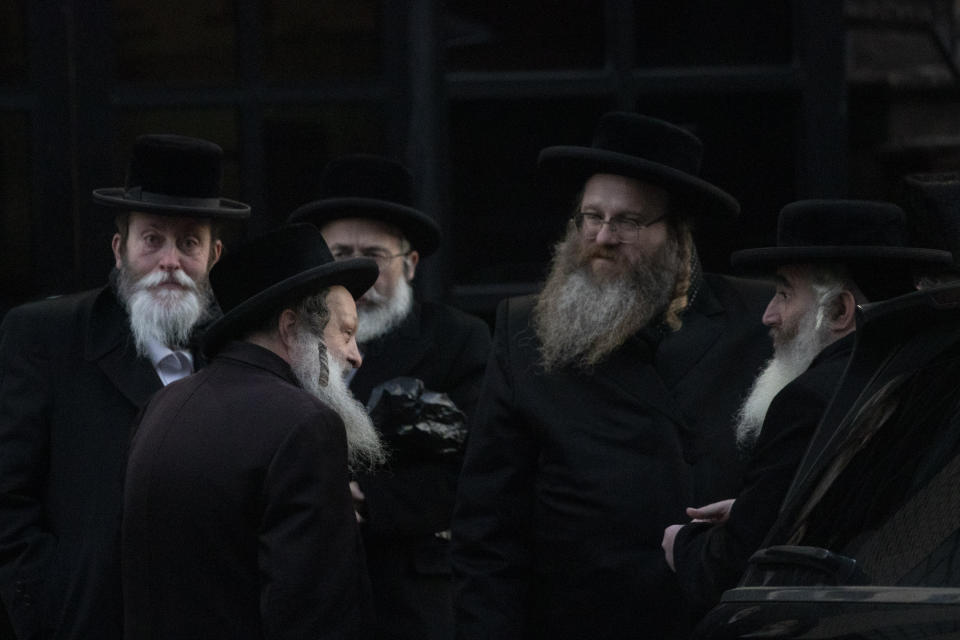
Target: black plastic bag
<point x="415" y="423"/>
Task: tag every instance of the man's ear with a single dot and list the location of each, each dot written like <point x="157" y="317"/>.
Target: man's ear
<point x="115" y="244"/>
<point x="842" y="314"/>
<point x="410" y="265"/>
<point x="215" y="252"/>
<point x="287" y="328"/>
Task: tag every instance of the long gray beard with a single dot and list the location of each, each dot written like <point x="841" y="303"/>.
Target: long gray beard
<point x="163" y="315"/>
<point x="580" y="319"/>
<point x="323" y="377"/>
<point x="378" y="315"/>
<point x="790" y="359"/>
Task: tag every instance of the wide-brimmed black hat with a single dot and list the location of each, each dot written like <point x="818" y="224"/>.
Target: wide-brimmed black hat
<point x="369" y="186"/>
<point x="278" y="267"/>
<point x="933" y="204"/>
<point x="174" y="175"/>
<point x="847" y="231"/>
<point x="649" y="149"/>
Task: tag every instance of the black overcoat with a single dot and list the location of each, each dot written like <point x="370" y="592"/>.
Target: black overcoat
<point x="711" y="559"/>
<point x="408" y="502"/>
<point x="238" y="521"/>
<point x="71" y="385"/>
<point x="570" y="478"/>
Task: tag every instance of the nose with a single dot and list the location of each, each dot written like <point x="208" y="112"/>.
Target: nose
<point x="170" y="257"/>
<point x="606" y="235"/>
<point x="352" y="354"/>
<point x="771" y="315"/>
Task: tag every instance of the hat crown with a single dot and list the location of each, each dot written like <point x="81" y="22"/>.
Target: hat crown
<point x="176" y="166"/>
<point x="651" y="139"/>
<point x="839" y="223"/>
<point x="367" y="176"/>
<point x="933" y="200"/>
<point x="266" y="261"/>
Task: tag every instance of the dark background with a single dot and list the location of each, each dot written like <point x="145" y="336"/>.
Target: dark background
<point x="811" y="98"/>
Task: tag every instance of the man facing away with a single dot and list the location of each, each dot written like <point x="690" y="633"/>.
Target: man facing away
<point x="831" y="256"/>
<point x="238" y="521"/>
<point x="606" y="401"/>
<point x="74" y="372"/>
<point x="366" y="209"/>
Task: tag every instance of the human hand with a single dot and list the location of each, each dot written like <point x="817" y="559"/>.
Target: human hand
<point x="669" y="535"/>
<point x="358" y="499"/>
<point x="716" y="512"/>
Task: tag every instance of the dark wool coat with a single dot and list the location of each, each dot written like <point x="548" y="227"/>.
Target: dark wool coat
<point x="238" y="521"/>
<point x="71" y="385"/>
<point x="710" y="559"/>
<point x="407" y="502"/>
<point x="570" y="478"/>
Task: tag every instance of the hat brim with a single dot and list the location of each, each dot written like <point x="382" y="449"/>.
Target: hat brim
<point x="579" y="163"/>
<point x="356" y="275"/>
<point x="421" y="230"/>
<point x="771" y="257"/>
<point x="226" y="210"/>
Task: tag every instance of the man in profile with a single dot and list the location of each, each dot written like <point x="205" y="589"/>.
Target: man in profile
<point x="238" y="520"/>
<point x="75" y="371"/>
<point x="831" y="256"/>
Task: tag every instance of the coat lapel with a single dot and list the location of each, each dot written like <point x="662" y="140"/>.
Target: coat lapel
<point x="678" y="353"/>
<point x="404" y="350"/>
<point x="110" y="345"/>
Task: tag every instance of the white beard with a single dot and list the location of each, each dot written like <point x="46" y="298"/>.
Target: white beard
<point x="790" y="359"/>
<point x="378" y="314"/>
<point x="166" y="316"/>
<point x="323" y="377"/>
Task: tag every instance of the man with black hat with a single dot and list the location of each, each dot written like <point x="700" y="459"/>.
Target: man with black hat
<point x="420" y="348"/>
<point x="237" y="520"/>
<point x="606" y="402"/>
<point x="74" y="372"/>
<point x="831" y="256"/>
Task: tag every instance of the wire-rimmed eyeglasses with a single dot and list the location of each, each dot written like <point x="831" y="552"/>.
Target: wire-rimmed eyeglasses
<point x="382" y="258"/>
<point x="625" y="229"/>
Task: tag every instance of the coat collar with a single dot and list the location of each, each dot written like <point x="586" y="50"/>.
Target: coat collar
<point x="257" y="356"/>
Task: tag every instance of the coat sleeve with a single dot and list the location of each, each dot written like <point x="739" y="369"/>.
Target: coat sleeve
<point x="493" y="515"/>
<point x="313" y="576"/>
<point x="711" y="559"/>
<point x="26" y="547"/>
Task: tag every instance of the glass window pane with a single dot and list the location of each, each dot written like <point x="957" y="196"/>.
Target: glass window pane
<point x="507" y="36"/>
<point x="16" y="223"/>
<point x="179" y="43"/>
<point x="694" y="33"/>
<point x="298" y="142"/>
<point x="304" y="41"/>
<point x="216" y="125"/>
<point x="13" y="43"/>
<point x="505" y="218"/>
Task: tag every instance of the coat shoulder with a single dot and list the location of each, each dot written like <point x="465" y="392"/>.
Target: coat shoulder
<point x="734" y="291"/>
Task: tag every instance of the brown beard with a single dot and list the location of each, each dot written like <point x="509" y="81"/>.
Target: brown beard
<point x="581" y="317"/>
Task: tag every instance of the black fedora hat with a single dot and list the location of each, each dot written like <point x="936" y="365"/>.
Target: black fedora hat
<point x="848" y="231"/>
<point x="933" y="203"/>
<point x="369" y="186"/>
<point x="649" y="149"/>
<point x="174" y="175"/>
<point x="282" y="265"/>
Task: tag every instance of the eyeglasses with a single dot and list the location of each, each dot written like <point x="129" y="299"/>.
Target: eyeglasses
<point x="382" y="258"/>
<point x="626" y="230"/>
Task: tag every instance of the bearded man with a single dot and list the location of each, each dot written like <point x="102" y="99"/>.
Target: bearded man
<point x="831" y="256"/>
<point x="366" y="209"/>
<point x="606" y="402"/>
<point x="74" y="373"/>
<point x="238" y="520"/>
